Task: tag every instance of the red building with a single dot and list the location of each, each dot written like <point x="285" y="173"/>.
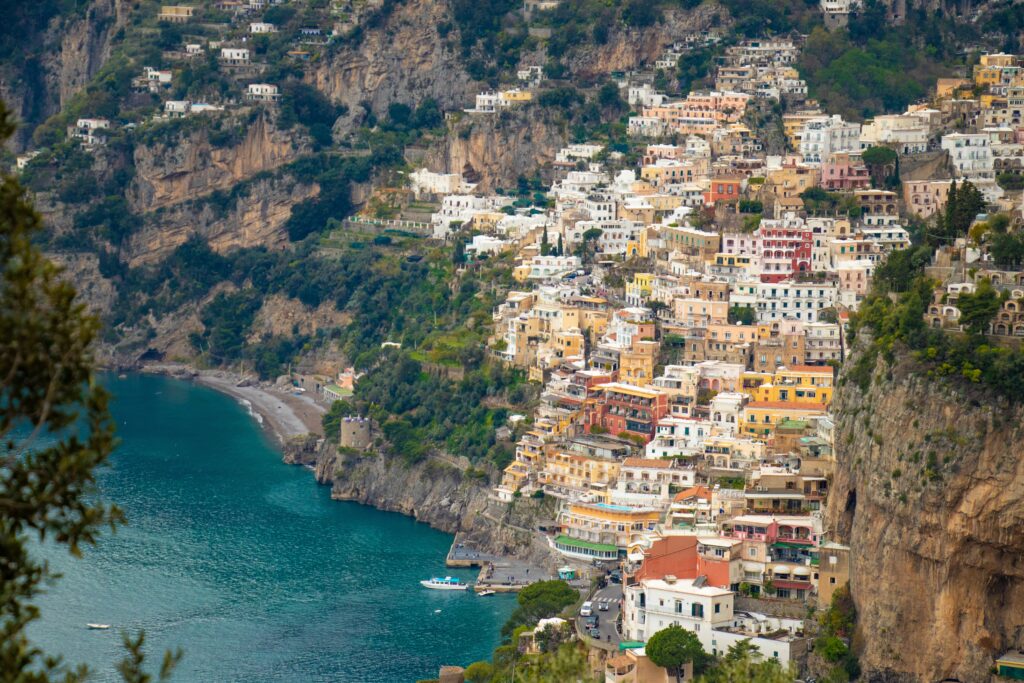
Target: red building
<point x="628" y="408"/>
<point x="724" y="189"/>
<point x="784" y="247"/>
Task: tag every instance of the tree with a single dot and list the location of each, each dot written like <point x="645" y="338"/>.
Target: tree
<point x="673" y="647"/>
<point x="47" y="486"/>
<point x="977" y="308"/>
<point x="478" y="672"/>
<point x="744" y="667"/>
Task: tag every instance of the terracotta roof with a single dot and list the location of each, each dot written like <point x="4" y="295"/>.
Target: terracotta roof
<point x="694" y="492"/>
<point x="810" y="368"/>
<point x="647" y="462"/>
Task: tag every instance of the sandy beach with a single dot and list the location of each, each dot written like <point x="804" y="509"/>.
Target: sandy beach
<point x="283" y="413"/>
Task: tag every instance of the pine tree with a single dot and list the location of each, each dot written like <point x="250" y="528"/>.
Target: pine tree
<point x="47" y="487"/>
<point x="561" y="250"/>
<point x="545" y="247"/>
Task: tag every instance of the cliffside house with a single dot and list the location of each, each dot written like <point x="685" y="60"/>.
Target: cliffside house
<point x="262" y="92"/>
<point x="177" y="14"/>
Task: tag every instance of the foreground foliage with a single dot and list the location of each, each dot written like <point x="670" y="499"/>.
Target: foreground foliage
<point x="56" y="431"/>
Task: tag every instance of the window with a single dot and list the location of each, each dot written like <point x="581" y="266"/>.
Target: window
<point x="832" y="580"/>
<point x="697" y="610"/>
<point x="718" y="608"/>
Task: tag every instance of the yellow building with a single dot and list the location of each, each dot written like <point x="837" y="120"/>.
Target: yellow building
<point x="946" y="87"/>
<point x="567" y="473"/>
<point x="761" y="417"/>
<point x="793" y="125"/>
<point x="516" y="96"/>
<point x="614" y="527"/>
<point x="636" y="364"/>
<point x="639" y="289"/>
<point x="176" y="13"/>
<point x="803" y="384"/>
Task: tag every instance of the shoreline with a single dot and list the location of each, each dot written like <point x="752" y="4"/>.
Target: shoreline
<point x="281" y="413"/>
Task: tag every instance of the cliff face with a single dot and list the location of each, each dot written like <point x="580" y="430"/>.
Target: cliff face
<point x="500" y="148"/>
<point x="404" y="60"/>
<point x="435" y="491"/>
<point x="255" y="218"/>
<point x="627" y="50"/>
<point x="170" y="173"/>
<point x="59" y="61"/>
<point x="929" y="492"/>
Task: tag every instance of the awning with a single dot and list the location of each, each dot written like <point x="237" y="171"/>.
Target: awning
<point x="570" y="542"/>
<point x="792" y="546"/>
<point x="793" y="585"/>
<point x="782" y="569"/>
<point x="801" y="571"/>
<point x="752" y="567"/>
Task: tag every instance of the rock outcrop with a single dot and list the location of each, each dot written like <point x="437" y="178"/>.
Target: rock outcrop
<point x="437" y="491"/>
<point x="249" y="219"/>
<point x="929" y="493"/>
<point x="500" y="148"/>
<point x="403" y="60"/>
<point x="168" y="173"/>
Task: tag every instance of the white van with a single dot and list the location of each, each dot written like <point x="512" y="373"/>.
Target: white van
<point x="587" y="609"/>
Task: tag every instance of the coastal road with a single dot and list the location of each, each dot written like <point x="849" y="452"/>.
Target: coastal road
<point x="611" y="594"/>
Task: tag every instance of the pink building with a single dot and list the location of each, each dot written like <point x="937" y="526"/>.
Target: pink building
<point x="845" y="171"/>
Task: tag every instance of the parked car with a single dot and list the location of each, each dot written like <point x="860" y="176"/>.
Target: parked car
<point x="587" y="609"/>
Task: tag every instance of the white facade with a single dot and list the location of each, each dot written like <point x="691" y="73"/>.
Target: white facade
<point x="262" y="92"/>
<point x="545" y="267"/>
<point x="677" y="436"/>
<point x="970" y="154"/>
<point x="234" y="56"/>
<point x="822" y="343"/>
<point x="645" y="96"/>
<point x="426" y="182"/>
<point x="655" y="604"/>
<point x="261" y="27"/>
<point x="821" y="136"/>
<point x="801" y="300"/>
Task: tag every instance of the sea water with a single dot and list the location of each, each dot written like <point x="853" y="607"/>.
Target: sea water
<point x="248" y="565"/>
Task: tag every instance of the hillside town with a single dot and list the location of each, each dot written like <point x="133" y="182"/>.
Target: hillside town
<point x="687" y="318"/>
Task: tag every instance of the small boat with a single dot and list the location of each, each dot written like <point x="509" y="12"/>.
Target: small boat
<point x="98" y="627"/>
<point x="448" y="583"/>
<point x="485" y="593"/>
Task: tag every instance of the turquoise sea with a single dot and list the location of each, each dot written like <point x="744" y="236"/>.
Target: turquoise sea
<point x="248" y="565"/>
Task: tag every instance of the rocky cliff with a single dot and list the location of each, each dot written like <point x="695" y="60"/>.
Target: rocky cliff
<point x="173" y="171"/>
<point x="500" y="148"/>
<point x="439" y="491"/>
<point x="251" y="218"/>
<point x="929" y="493"/>
<point x="59" y="61"/>
<point x="403" y="60"/>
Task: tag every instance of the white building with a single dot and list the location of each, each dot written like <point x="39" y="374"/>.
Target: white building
<point x="905" y="133"/>
<point x="678" y="436"/>
<point x="643" y="482"/>
<point x="577" y="152"/>
<point x="823" y="135"/>
<point x="485" y="244"/>
<point x="970" y="154"/>
<point x="425" y="182"/>
<point x="726" y="411"/>
<point x="262" y="27"/>
<point x="546" y="267"/>
<point x="262" y="92"/>
<point x="176" y="109"/>
<point x="822" y="343"/>
<point x="90" y="131"/>
<point x="645" y="96"/>
<point x="787" y="299"/>
<point x="234" y="56"/>
<point x="462" y="208"/>
<point x="655" y="604"/>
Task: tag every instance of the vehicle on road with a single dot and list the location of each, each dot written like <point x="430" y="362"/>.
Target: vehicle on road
<point x="602" y="606"/>
<point x="587" y="609"/>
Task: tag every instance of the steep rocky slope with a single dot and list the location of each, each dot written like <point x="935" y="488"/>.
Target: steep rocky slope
<point x="500" y="148"/>
<point x="185" y="168"/>
<point x="403" y="60"/>
<point x="437" y="491"/>
<point x="929" y="492"/>
<point x="59" y="61"/>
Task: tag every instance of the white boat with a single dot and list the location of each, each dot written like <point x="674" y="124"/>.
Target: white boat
<point x="448" y="583"/>
<point x="485" y="593"/>
<point x="98" y="627"/>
